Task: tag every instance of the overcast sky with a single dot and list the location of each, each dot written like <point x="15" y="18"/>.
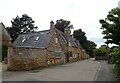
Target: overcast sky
<point x="84" y="14"/>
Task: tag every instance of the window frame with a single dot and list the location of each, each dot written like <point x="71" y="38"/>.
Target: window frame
<point x="56" y="54"/>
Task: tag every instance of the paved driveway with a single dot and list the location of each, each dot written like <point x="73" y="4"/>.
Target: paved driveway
<point x="78" y="71"/>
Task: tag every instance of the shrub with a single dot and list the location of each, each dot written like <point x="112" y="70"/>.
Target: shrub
<point x="117" y="69"/>
<point x="99" y="52"/>
<point x="115" y="56"/>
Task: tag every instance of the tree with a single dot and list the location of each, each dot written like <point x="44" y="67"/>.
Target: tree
<point x="115" y="58"/>
<point x="101" y="51"/>
<point x="86" y="44"/>
<point x="111" y="31"/>
<point x="111" y="26"/>
<point x="22" y="25"/>
<point x="91" y="46"/>
<point x="78" y="34"/>
<point x="62" y="24"/>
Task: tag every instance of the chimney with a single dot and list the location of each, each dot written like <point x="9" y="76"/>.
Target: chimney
<point x="68" y="31"/>
<point x="52" y="25"/>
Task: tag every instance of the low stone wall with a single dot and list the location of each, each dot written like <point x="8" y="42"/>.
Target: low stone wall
<point x="101" y="58"/>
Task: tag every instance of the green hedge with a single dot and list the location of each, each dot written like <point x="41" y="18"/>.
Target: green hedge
<point x="117" y="69"/>
<point x="99" y="52"/>
<point x="115" y="58"/>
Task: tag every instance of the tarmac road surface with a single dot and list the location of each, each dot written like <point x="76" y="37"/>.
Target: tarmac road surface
<point x="84" y="70"/>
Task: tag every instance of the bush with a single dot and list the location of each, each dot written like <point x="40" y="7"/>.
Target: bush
<point x="99" y="52"/>
<point x="115" y="56"/>
<point x="117" y="69"/>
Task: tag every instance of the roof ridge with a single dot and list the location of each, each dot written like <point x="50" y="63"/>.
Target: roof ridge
<point x="44" y="30"/>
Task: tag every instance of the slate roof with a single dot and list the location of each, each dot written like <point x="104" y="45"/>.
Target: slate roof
<point x="73" y="41"/>
<point x="41" y="39"/>
<point x="34" y="40"/>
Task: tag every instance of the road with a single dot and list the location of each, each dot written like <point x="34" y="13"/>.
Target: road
<point x="85" y="70"/>
<point x="105" y="72"/>
<point x="78" y="71"/>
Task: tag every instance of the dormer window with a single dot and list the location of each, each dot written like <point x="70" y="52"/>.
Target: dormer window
<point x="37" y="38"/>
<point x="23" y="40"/>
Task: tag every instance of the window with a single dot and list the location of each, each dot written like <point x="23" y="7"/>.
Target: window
<point x="74" y="56"/>
<point x="37" y="38"/>
<point x="69" y="44"/>
<point x="57" y="54"/>
<point x="56" y="40"/>
<point x="23" y="40"/>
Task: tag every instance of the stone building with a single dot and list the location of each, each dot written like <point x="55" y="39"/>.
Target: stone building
<point x="43" y="48"/>
<point x="5" y="41"/>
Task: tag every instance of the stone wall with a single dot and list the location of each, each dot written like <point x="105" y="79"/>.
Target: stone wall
<point x="101" y="58"/>
<point x="74" y="52"/>
<point x="26" y="58"/>
<point x="79" y="51"/>
<point x="53" y="47"/>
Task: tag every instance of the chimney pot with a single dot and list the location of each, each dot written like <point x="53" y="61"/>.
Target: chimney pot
<point x="52" y="25"/>
<point x="52" y="22"/>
